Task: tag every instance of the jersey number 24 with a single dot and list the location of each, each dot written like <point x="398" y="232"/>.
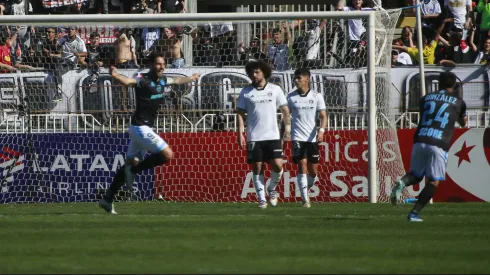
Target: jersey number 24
<point x="442" y="116"/>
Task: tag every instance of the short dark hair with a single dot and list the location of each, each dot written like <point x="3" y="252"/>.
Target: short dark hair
<point x="154" y="55"/>
<point x="447" y="80"/>
<point x="94" y="35"/>
<point x="261" y="65"/>
<point x="276" y="30"/>
<point x="303" y="71"/>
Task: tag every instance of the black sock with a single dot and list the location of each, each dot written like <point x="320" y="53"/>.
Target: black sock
<point x="410" y="179"/>
<point x="117" y="182"/>
<point x="149" y="162"/>
<point x="424" y="197"/>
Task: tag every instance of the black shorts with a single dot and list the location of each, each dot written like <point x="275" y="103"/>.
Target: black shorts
<point x="303" y="149"/>
<point x="265" y="150"/>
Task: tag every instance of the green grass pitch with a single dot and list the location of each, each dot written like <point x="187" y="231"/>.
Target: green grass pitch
<point x="159" y="237"/>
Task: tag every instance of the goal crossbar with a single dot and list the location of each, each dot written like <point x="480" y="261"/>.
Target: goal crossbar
<point x="192" y="18"/>
<point x="181" y="18"/>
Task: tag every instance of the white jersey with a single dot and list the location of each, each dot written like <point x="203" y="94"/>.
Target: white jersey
<point x="261" y="108"/>
<point x="70" y="47"/>
<point x="458" y="10"/>
<point x="429" y="7"/>
<point x="356" y="27"/>
<point x="304" y="109"/>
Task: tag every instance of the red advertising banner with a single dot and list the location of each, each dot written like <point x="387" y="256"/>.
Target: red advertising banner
<point x="211" y="167"/>
<point x="468" y="161"/>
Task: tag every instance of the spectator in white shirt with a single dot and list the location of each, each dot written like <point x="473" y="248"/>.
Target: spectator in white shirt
<point x="460" y="10"/>
<point x="431" y="13"/>
<point x="73" y="48"/>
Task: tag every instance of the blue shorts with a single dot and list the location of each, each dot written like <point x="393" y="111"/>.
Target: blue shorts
<point x="428" y="161"/>
<point x="144" y="139"/>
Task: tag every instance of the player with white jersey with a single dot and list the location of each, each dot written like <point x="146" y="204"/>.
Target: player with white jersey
<point x="439" y="113"/>
<point x="305" y="105"/>
<point x="149" y="89"/>
<point x="260" y="102"/>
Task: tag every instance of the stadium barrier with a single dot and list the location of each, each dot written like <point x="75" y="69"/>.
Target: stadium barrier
<point x="210" y="167"/>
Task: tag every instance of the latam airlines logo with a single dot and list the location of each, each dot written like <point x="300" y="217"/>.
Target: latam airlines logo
<point x="11" y="162"/>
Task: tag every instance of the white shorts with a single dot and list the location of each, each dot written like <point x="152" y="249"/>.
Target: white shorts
<point x="144" y="139"/>
<point x="429" y="161"/>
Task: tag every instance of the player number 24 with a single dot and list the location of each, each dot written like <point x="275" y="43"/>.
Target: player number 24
<point x="442" y="116"/>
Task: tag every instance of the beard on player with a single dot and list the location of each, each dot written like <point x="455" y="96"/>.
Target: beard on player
<point x="258" y="72"/>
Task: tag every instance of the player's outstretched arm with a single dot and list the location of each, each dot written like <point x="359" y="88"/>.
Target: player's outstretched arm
<point x="126" y="81"/>
<point x="184" y="80"/>
<point x="287" y="122"/>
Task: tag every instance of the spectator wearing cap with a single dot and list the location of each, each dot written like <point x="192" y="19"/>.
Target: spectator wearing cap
<point x="400" y="58"/>
<point x="7" y="62"/>
<point x="278" y="52"/>
<point x="125" y="46"/>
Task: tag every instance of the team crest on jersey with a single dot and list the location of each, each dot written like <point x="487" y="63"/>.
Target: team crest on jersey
<point x="159" y="88"/>
<point x="311" y="101"/>
<point x="269" y="94"/>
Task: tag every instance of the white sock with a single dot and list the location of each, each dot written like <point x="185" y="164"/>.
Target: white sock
<point x="275" y="178"/>
<point x="311" y="181"/>
<point x="259" y="186"/>
<point x="303" y="186"/>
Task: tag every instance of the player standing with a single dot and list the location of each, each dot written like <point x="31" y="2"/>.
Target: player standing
<point x="149" y="89"/>
<point x="304" y="105"/>
<point x="439" y="113"/>
<point x="260" y="102"/>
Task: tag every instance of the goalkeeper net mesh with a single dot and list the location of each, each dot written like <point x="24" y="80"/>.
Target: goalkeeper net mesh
<point x="64" y="120"/>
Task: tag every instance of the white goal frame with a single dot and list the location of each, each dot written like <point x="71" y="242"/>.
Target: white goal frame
<point x="193" y="18"/>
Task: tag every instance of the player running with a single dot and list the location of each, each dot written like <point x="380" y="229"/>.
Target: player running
<point x="439" y="113"/>
<point x="304" y="105"/>
<point x="260" y="102"/>
<point x="149" y="89"/>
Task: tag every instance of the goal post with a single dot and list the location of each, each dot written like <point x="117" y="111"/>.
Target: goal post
<point x="366" y="82"/>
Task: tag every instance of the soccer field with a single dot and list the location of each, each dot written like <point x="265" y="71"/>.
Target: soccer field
<point x="159" y="237"/>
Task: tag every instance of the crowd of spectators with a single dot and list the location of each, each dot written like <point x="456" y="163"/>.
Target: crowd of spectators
<point x="454" y="32"/>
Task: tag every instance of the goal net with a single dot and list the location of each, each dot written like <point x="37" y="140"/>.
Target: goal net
<point x="64" y="119"/>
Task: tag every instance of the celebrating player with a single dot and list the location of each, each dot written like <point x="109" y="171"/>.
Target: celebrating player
<point x="149" y="89"/>
<point x="305" y="104"/>
<point x="260" y="102"/>
<point x="439" y="113"/>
